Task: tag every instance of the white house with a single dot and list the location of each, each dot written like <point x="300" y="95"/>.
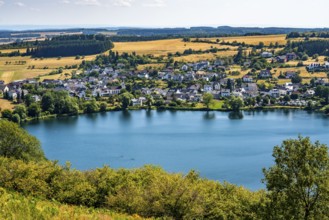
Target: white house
<point x="207" y="88"/>
<point x="225" y="93"/>
<point x="266" y="54"/>
<point x="247" y="79"/>
<point x="313" y="66"/>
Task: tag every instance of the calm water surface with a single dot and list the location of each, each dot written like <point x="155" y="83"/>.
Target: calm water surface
<point x="220" y="145"/>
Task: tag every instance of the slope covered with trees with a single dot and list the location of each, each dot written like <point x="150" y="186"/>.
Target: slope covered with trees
<point x="71" y="45"/>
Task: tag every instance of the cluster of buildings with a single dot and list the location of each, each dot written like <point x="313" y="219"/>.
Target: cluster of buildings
<point x="199" y="78"/>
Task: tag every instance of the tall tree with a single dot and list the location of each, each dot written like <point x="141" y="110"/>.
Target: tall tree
<point x="208" y="99"/>
<point x="298" y="183"/>
<point x="17" y="143"/>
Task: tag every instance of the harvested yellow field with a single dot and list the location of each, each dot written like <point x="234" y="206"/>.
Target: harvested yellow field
<point x="16" y="68"/>
<point x="5" y="104"/>
<point x="255" y="40"/>
<point x="161" y="47"/>
<point x="53" y="63"/>
<point x="309" y="61"/>
<point x="61" y="76"/>
<point x="303" y="72"/>
<point x="153" y="66"/>
<point x="13" y="50"/>
<point x="205" y="56"/>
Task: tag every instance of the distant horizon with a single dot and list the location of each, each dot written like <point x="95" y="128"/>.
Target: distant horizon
<point x="164" y="13"/>
<point x="28" y="27"/>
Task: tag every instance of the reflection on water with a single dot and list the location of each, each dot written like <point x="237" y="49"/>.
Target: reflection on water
<point x="235" y="115"/>
<point x="209" y="116"/>
<point x="148" y="113"/>
<point x="125" y="116"/>
<point x="210" y="142"/>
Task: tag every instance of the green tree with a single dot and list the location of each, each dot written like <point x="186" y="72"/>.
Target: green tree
<point x="149" y="101"/>
<point x="103" y="107"/>
<point x="47" y="102"/>
<point x="34" y="110"/>
<point x="298" y="183"/>
<point x="296" y="79"/>
<point x="16" y="118"/>
<point x="28" y="99"/>
<point x="125" y="99"/>
<point x="8" y="114"/>
<point x="208" y="99"/>
<point x="91" y="107"/>
<point x="21" y="111"/>
<point x="235" y="103"/>
<point x="17" y="143"/>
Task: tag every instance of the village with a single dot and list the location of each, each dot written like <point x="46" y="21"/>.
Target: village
<point x="186" y="83"/>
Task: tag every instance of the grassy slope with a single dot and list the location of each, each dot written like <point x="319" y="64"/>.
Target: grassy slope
<point x="14" y="71"/>
<point x="161" y="47"/>
<point x="254" y="40"/>
<point x="5" y="104"/>
<point x="16" y="206"/>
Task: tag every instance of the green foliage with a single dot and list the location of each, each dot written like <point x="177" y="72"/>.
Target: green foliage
<point x="298" y="182"/>
<point x="148" y="191"/>
<point x="296" y="79"/>
<point x="91" y="107"/>
<point x="208" y="99"/>
<point x="322" y="92"/>
<point x="59" y="103"/>
<point x="72" y="46"/>
<point x="125" y="99"/>
<point x="17" y="143"/>
<point x="234" y="103"/>
<point x="16" y="206"/>
<point x="34" y="110"/>
<point x="21" y="111"/>
<point x="103" y="107"/>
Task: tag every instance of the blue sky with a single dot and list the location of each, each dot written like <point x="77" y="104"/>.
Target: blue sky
<point x="165" y="13"/>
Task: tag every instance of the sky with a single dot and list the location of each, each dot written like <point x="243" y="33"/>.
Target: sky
<point x="164" y="13"/>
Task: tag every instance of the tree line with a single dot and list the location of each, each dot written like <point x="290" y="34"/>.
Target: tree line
<point x="312" y="47"/>
<point x="71" y="45"/>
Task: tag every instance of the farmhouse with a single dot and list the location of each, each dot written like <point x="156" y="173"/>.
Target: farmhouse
<point x="290" y="74"/>
<point x="265" y="74"/>
<point x="247" y="78"/>
<point x="281" y="59"/>
<point x="266" y="54"/>
<point x="313" y="66"/>
<point x="291" y="56"/>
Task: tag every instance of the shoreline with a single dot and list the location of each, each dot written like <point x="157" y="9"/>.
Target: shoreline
<point x="246" y="109"/>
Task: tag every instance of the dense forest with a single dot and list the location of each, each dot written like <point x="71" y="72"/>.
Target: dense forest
<point x="312" y="47"/>
<point x="308" y="35"/>
<point x="297" y="185"/>
<point x="71" y="46"/>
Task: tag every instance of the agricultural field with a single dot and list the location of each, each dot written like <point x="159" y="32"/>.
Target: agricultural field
<point x="23" y="50"/>
<point x="254" y="40"/>
<point x="162" y="47"/>
<point x="5" y="104"/>
<point x="16" y="68"/>
<point x="206" y="56"/>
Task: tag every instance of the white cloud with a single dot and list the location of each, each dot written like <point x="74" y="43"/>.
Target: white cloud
<point x="155" y="3"/>
<point x="88" y="2"/>
<point x="20" y="4"/>
<point x="2" y="3"/>
<point x="66" y="1"/>
<point x="123" y="3"/>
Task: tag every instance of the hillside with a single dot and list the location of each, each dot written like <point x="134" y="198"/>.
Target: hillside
<point x="16" y="206"/>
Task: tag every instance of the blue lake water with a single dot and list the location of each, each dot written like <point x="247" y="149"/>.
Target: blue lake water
<point x="219" y="145"/>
